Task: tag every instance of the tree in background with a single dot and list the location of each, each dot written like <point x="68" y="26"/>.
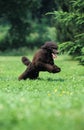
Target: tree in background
<point x="26" y="20"/>
<point x="29" y="26"/>
<point x="69" y="22"/>
<point x="19" y="14"/>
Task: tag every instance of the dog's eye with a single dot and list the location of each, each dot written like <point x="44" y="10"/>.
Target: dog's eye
<point x="55" y="48"/>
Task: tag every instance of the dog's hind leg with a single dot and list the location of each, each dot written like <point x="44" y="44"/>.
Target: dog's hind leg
<point x="30" y="73"/>
<point x="25" y="61"/>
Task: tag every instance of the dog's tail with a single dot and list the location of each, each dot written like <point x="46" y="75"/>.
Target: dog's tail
<point x="25" y="61"/>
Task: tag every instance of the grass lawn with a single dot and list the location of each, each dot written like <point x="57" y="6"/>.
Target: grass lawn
<point x="52" y="102"/>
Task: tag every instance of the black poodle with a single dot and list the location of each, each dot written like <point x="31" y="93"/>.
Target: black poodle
<point x="43" y="60"/>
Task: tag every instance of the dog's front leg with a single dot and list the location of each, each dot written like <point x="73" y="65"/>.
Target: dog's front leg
<point x="56" y="69"/>
<point x="47" y="67"/>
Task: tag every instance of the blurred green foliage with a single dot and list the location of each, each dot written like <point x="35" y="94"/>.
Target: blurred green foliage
<point x="70" y="32"/>
<point x="25" y="23"/>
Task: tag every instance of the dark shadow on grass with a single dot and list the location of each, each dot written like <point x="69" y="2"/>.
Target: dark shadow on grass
<point x="51" y="80"/>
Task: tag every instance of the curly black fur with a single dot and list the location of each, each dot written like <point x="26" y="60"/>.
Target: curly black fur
<point x="42" y="61"/>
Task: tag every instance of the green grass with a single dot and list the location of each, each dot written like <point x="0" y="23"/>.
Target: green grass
<point x="52" y="102"/>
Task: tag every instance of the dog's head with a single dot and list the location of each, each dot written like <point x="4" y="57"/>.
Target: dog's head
<point x="51" y="47"/>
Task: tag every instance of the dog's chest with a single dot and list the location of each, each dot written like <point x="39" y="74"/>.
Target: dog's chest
<point x="49" y="59"/>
